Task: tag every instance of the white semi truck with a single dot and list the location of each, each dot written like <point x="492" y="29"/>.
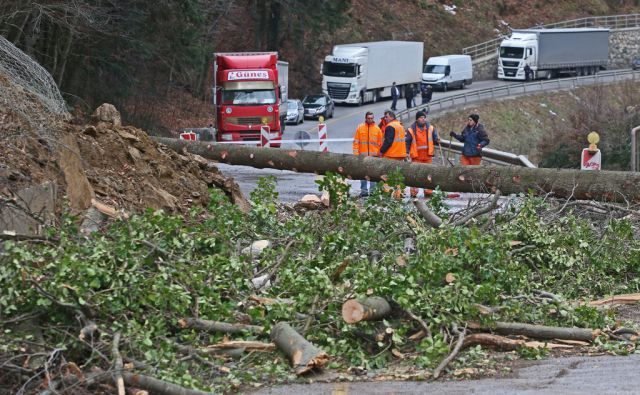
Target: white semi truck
<point x="364" y="72"/>
<point x="551" y="52"/>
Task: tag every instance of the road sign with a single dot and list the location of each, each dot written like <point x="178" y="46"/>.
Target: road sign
<point x="301" y="137"/>
<point x="590" y="160"/>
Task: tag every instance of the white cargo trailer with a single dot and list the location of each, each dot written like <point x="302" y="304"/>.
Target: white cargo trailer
<point x="283" y="85"/>
<point x="551" y="52"/>
<point x="364" y="72"/>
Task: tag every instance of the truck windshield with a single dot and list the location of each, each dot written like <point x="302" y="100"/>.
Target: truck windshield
<point x="511" y="52"/>
<point x="437" y="69"/>
<point x="248" y="98"/>
<point x="339" y="69"/>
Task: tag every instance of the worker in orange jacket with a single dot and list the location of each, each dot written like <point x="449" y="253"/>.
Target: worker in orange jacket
<point x="421" y="144"/>
<point x="367" y="142"/>
<point x="394" y="144"/>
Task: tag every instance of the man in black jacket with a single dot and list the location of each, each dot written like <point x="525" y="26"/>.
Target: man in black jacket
<point x="408" y="95"/>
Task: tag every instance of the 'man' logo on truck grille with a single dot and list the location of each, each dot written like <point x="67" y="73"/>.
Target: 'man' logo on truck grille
<point x="248" y="75"/>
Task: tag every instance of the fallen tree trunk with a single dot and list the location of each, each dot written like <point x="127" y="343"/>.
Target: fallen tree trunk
<point x="216" y="326"/>
<point x="562" y="183"/>
<point x="366" y="309"/>
<point x="546" y="332"/>
<point x="304" y="356"/>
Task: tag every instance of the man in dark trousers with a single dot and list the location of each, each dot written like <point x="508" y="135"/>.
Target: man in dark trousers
<point x="409" y="94"/>
<point x="395" y="94"/>
<point x="426" y="94"/>
<point x="474" y="138"/>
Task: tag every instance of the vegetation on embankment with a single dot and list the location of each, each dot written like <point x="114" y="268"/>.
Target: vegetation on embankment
<point x="143" y="275"/>
<point x="552" y="128"/>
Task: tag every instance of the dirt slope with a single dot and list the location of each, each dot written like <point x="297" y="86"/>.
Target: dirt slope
<point x="117" y="165"/>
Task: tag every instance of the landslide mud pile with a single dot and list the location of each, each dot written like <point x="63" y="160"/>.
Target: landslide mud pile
<point x="102" y="160"/>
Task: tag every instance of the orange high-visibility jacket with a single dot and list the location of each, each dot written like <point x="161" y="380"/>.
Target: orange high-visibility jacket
<point x="398" y="148"/>
<point x="422" y="145"/>
<point x="367" y="140"/>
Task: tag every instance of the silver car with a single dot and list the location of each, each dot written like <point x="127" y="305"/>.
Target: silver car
<point x="295" y="112"/>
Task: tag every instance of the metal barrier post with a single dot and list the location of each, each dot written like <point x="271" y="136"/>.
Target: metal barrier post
<point x="634" y="149"/>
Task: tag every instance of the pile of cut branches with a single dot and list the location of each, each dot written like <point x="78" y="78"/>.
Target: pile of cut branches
<point x="223" y="298"/>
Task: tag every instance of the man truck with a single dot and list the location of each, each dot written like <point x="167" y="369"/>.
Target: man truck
<point x="364" y="72"/>
<point x="552" y="52"/>
<point x="250" y="90"/>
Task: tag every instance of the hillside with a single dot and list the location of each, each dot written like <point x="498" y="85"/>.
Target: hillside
<point x="552" y="128"/>
<point x="153" y="61"/>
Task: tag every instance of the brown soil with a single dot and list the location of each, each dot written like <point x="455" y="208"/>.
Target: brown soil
<point x="117" y="165"/>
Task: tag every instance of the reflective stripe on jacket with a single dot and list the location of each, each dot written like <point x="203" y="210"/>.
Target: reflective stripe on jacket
<point x="398" y="148"/>
<point x="367" y="140"/>
<point x="422" y="144"/>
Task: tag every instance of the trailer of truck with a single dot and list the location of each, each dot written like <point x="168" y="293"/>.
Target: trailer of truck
<point x="250" y="92"/>
<point x="552" y="52"/>
<point x="364" y="72"/>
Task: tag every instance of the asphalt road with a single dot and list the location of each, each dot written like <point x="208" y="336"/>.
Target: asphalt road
<point x="566" y="376"/>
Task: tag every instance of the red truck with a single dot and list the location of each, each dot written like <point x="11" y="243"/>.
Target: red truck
<point x="250" y="90"/>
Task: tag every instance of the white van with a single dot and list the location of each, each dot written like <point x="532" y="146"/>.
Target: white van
<point x="449" y="71"/>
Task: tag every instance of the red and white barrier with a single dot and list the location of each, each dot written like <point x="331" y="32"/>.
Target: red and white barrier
<point x="188" y="136"/>
<point x="322" y="136"/>
<point x="265" y="136"/>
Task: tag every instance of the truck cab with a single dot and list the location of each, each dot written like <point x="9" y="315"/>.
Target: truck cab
<point x="516" y="52"/>
<point x="248" y="96"/>
<point x="344" y="75"/>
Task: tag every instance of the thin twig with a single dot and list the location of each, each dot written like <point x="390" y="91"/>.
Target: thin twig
<point x="448" y="359"/>
<point x="117" y="364"/>
<point x="420" y="321"/>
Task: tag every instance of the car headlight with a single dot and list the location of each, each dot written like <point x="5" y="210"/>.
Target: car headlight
<point x="320" y="109"/>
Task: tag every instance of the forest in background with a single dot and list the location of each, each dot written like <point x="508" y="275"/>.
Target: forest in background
<point x="153" y="59"/>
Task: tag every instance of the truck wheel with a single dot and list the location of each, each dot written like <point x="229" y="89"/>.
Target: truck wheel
<point x="361" y="102"/>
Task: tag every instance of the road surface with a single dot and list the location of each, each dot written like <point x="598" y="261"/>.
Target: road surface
<point x="566" y="376"/>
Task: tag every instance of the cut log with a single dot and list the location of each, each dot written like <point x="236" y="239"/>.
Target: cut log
<point x="366" y="309"/>
<point x="546" y="332"/>
<point x="617" y="299"/>
<point x="216" y="326"/>
<point x="494" y="341"/>
<point x="246" y="344"/>
<point x="303" y="355"/>
<point x="449" y="278"/>
<point x="561" y="183"/>
<point x="156" y="386"/>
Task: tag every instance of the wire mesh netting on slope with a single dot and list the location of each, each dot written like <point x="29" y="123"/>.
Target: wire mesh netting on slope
<point x="27" y="90"/>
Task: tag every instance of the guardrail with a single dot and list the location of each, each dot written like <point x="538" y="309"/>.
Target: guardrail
<point x="610" y="21"/>
<point x="518" y="89"/>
